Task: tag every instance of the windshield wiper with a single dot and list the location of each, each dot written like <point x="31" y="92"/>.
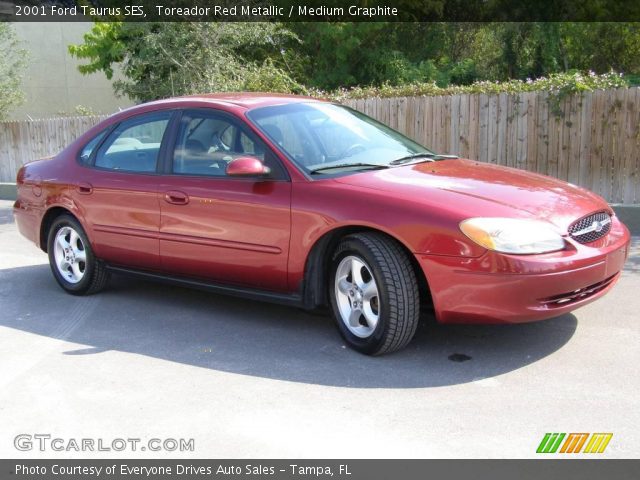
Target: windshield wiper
<point x="371" y="166"/>
<point x="415" y="156"/>
<point x="429" y="157"/>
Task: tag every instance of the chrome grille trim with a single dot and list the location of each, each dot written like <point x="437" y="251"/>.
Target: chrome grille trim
<point x="591" y="228"/>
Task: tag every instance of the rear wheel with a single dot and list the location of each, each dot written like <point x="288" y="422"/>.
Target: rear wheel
<point x="72" y="261"/>
<point x="374" y="293"/>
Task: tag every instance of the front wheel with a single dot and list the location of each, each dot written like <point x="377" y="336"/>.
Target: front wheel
<point x="374" y="293"/>
<point x="71" y="258"/>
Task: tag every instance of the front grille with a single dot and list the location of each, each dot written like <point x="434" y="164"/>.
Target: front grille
<point x="591" y="228"/>
<point x="577" y="295"/>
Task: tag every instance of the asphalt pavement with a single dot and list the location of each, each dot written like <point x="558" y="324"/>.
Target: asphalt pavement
<point x="245" y="379"/>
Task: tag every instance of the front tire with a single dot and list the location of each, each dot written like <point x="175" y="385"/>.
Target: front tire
<point x="71" y="258"/>
<point x="374" y="293"/>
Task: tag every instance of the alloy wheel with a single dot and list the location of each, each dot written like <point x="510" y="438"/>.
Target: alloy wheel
<point x="357" y="296"/>
<point x="70" y="255"/>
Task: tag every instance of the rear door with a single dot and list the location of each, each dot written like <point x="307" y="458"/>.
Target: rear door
<point x="229" y="230"/>
<point x="120" y="196"/>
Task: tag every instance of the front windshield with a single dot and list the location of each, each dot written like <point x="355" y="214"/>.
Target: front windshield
<point x="328" y="138"/>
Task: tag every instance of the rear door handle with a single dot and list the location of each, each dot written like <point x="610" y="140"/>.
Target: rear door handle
<point x="85" y="188"/>
<point x="176" y="198"/>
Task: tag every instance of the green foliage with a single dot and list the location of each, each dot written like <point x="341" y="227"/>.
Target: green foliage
<point x="602" y="46"/>
<point x="340" y="55"/>
<point x="104" y="45"/>
<point x="78" y="111"/>
<point x="558" y="85"/>
<point x="363" y="54"/>
<point x="13" y="61"/>
<point x="160" y="60"/>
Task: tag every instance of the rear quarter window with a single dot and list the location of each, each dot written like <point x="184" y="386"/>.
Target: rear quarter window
<point x="85" y="153"/>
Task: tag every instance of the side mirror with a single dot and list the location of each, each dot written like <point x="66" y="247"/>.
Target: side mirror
<point x="246" y="167"/>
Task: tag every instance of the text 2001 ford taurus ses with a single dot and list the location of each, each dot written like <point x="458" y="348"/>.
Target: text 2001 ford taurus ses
<point x="305" y="202"/>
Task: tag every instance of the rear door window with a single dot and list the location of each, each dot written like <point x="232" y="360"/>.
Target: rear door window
<point x="134" y="146"/>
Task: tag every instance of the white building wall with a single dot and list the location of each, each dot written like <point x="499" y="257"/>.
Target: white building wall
<point x="52" y="83"/>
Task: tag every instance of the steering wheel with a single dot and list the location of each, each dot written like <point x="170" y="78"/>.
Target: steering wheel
<point x="352" y="150"/>
<point x="218" y="144"/>
<point x="221" y="160"/>
<point x="221" y="164"/>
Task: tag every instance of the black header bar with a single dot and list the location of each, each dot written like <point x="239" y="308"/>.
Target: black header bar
<point x="321" y="10"/>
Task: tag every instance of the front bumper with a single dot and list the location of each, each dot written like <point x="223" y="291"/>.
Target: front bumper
<point x="501" y="288"/>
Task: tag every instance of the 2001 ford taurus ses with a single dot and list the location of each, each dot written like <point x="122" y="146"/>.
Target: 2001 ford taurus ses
<point x="305" y="202"/>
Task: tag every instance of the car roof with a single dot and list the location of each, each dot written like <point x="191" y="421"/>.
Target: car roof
<point x="254" y="99"/>
<point x="246" y="100"/>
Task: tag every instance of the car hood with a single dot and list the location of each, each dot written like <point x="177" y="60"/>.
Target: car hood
<point x="475" y="188"/>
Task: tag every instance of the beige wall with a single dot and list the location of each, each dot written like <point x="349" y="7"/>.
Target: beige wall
<point x="52" y="83"/>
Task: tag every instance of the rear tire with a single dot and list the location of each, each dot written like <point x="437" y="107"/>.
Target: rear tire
<point x="374" y="294"/>
<point x="72" y="261"/>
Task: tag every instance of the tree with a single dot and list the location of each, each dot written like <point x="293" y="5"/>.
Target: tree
<point x="164" y="59"/>
<point x="160" y="60"/>
<point x="13" y="60"/>
<point x="603" y="46"/>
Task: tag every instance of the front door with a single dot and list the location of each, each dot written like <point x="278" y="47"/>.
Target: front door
<point x="225" y="229"/>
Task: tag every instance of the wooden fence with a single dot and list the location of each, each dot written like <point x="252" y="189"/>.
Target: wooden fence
<point x="592" y="139"/>
<point x="24" y="141"/>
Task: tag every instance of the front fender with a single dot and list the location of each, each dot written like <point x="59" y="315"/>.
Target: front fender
<point x="322" y="207"/>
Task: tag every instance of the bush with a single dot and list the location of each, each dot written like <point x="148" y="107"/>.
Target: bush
<point x="558" y="85"/>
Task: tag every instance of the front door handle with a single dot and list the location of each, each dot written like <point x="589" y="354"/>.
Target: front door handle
<point x="85" y="188"/>
<point x="176" y="198"/>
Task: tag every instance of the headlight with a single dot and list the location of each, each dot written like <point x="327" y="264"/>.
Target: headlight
<point x="513" y="235"/>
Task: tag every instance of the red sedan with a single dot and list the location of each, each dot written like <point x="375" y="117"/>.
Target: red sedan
<point x="308" y="203"/>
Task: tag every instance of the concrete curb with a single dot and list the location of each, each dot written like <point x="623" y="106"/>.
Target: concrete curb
<point x="8" y="191"/>
<point x="628" y="214"/>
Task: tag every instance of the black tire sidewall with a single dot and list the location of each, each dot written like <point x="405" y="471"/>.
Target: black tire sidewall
<point x="90" y="264"/>
<point x="372" y="343"/>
